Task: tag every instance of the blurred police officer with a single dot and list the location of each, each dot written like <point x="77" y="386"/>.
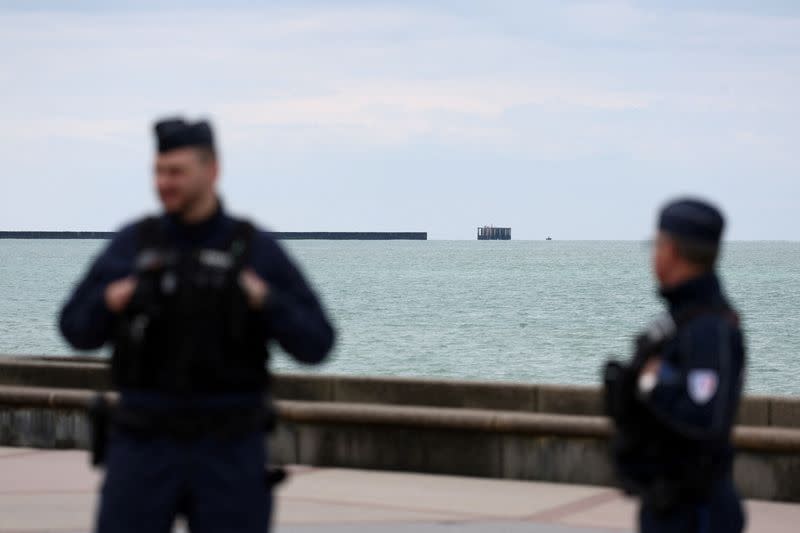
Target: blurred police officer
<point x="189" y="300"/>
<point x="674" y="404"/>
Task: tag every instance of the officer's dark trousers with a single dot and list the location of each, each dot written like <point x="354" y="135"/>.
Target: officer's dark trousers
<point x="216" y="483"/>
<point x="722" y="513"/>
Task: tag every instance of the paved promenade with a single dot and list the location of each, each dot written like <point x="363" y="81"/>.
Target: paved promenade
<point x="54" y="491"/>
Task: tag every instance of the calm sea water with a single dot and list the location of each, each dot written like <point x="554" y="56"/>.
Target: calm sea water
<point x="517" y="311"/>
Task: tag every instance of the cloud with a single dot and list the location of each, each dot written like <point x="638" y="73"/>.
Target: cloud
<point x="401" y="110"/>
<point x="576" y="83"/>
<point x="105" y="131"/>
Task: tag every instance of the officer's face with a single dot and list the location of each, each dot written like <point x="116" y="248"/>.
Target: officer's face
<point x="664" y="256"/>
<point x="184" y="177"/>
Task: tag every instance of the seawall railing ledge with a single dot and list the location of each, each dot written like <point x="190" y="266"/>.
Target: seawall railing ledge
<point x="769" y="439"/>
<point x="93" y="373"/>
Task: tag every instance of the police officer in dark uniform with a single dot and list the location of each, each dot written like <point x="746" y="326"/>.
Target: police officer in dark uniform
<point x="675" y="402"/>
<point x="189" y="300"/>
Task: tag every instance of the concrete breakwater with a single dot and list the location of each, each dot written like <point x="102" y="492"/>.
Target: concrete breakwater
<point x="518" y="431"/>
<point x="281" y="235"/>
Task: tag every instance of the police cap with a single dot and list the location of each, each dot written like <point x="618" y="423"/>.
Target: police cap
<point x="172" y="133"/>
<point x="692" y="219"/>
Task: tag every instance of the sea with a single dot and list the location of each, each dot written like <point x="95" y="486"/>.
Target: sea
<point x="520" y="311"/>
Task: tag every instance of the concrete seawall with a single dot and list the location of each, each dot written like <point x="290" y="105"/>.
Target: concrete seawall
<point x="518" y="431"/>
<point x="92" y="373"/>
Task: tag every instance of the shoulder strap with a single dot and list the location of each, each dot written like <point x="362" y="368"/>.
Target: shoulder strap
<point x="150" y="233"/>
<point x="241" y="241"/>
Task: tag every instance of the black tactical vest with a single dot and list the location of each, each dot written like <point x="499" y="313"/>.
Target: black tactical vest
<point x="188" y="328"/>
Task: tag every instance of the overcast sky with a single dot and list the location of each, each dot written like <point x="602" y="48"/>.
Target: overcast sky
<point x="570" y="119"/>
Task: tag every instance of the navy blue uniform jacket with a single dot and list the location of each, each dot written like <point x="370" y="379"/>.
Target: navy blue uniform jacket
<point x="700" y="380"/>
<point x="292" y="314"/>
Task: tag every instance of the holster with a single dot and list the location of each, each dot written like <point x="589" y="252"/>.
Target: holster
<point x="274" y="475"/>
<point x="99" y="418"/>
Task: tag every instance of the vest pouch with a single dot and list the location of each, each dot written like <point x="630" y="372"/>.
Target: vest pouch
<point x="133" y="361"/>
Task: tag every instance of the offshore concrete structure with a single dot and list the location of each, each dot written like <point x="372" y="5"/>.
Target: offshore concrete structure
<point x="490" y="233"/>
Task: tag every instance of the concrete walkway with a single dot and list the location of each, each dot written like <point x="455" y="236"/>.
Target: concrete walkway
<point x="54" y="491"/>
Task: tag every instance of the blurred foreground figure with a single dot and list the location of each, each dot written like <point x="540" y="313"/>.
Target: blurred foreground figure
<point x="189" y="300"/>
<point x="674" y="404"/>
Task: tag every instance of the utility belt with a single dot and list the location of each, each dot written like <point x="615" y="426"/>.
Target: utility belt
<point x="190" y="425"/>
<point x="177" y="423"/>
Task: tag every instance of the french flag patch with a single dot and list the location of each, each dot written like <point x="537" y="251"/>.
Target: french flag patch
<point x="702" y="385"/>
